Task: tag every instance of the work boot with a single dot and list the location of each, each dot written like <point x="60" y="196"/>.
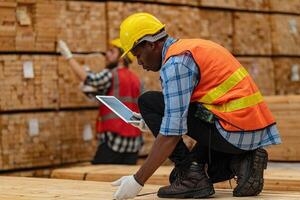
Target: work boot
<point x="249" y="169"/>
<point x="191" y="183"/>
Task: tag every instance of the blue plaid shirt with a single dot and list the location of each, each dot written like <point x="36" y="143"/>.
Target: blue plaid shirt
<point x="179" y="76"/>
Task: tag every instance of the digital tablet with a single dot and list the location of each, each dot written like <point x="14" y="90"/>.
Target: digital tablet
<point x="118" y="108"/>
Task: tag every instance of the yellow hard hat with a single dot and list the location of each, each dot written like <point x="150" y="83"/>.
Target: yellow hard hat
<point x="117" y="43"/>
<point x="135" y="27"/>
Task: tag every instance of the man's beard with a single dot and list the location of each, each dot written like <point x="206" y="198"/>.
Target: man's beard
<point x="112" y="65"/>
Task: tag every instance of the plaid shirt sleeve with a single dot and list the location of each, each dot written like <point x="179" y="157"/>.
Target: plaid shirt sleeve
<point x="101" y="81"/>
<point x="179" y="75"/>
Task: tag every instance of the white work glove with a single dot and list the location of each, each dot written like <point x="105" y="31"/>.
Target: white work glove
<point x="128" y="188"/>
<point x="141" y="124"/>
<point x="64" y="50"/>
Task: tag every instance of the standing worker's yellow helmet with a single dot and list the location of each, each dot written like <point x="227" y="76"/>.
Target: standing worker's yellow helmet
<point x="135" y="27"/>
<point x="117" y="43"/>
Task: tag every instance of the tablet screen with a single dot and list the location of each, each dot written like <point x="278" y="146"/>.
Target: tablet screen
<point x="118" y="108"/>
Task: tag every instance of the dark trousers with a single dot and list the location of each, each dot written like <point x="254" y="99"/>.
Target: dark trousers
<point x="211" y="146"/>
<point x="106" y="155"/>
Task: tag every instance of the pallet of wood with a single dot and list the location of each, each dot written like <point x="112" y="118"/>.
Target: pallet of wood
<point x="37" y="25"/>
<point x="262" y="72"/>
<point x="7" y="26"/>
<point x="83" y="25"/>
<point x="258" y="5"/>
<point x="278" y="176"/>
<point x="30" y="140"/>
<point x="28" y="82"/>
<point x="251" y="34"/>
<point x="286" y="110"/>
<point x="292" y="6"/>
<point x="287" y="75"/>
<point x="78" y="135"/>
<point x="285" y="34"/>
<point x="193" y="23"/>
<point x="69" y="85"/>
<point x="46" y="139"/>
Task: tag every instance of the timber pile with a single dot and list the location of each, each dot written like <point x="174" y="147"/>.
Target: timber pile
<point x="261" y="5"/>
<point x="252" y="34"/>
<point x="45" y="139"/>
<point x="23" y="25"/>
<point x="293" y="6"/>
<point x="30" y="140"/>
<point x="287" y="75"/>
<point x="262" y="72"/>
<point x="28" y="82"/>
<point x="285" y="34"/>
<point x="77" y="136"/>
<point x="18" y="188"/>
<point x="286" y="110"/>
<point x="278" y="176"/>
<point x="83" y="25"/>
<point x="70" y="94"/>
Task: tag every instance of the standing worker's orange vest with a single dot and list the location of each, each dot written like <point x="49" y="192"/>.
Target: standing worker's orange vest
<point x="225" y="87"/>
<point x="127" y="88"/>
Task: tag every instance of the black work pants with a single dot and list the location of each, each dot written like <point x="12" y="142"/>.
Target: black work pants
<point x="105" y="155"/>
<point x="210" y="143"/>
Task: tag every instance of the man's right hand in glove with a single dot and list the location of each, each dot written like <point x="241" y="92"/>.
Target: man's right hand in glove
<point x="64" y="50"/>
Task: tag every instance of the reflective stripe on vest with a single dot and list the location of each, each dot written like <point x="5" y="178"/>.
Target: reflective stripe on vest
<point x="237" y="104"/>
<point x="224" y="87"/>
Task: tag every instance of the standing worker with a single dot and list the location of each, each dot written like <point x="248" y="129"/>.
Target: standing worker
<point x="119" y="142"/>
<point x="209" y="96"/>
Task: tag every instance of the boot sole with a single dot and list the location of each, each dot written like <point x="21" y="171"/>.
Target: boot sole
<point x="202" y="193"/>
<point x="255" y="183"/>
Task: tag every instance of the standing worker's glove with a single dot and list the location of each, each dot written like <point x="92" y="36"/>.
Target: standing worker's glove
<point x="64" y="50"/>
<point x="128" y="188"/>
<point x="141" y="124"/>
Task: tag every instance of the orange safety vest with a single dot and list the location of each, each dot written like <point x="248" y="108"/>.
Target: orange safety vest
<point x="127" y="87"/>
<point x="225" y="87"/>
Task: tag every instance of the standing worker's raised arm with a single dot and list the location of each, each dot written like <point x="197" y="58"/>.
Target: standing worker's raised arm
<point x="67" y="54"/>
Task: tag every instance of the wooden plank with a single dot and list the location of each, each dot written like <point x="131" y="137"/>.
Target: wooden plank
<point x="36" y="189"/>
<point x="278" y="176"/>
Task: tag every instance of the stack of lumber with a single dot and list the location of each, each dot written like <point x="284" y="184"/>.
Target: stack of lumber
<point x="286" y="110"/>
<point x="70" y="94"/>
<point x="18" y="188"/>
<point x="285" y="34"/>
<point x="262" y="71"/>
<point x="30" y="25"/>
<point x="28" y="82"/>
<point x="83" y="25"/>
<point x="29" y="140"/>
<point x="252" y="34"/>
<point x="48" y="138"/>
<point x="278" y="176"/>
<point x="258" y="5"/>
<point x="77" y="135"/>
<point x="287" y="75"/>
